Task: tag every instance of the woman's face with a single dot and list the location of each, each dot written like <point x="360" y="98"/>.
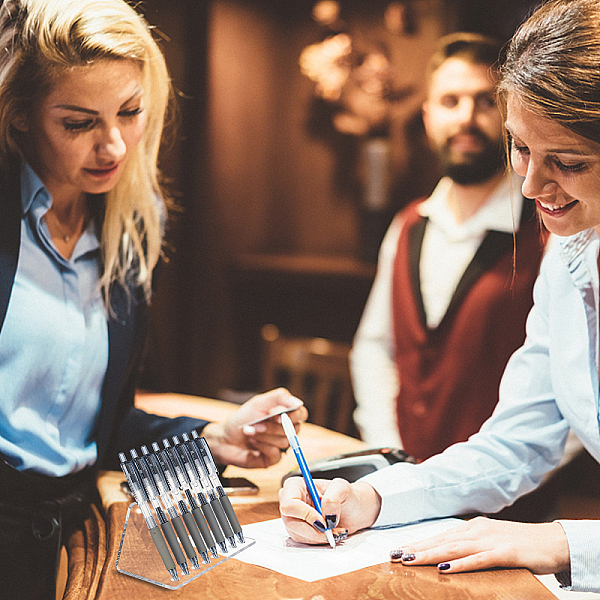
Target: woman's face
<point x="79" y="136"/>
<point x="561" y="170"/>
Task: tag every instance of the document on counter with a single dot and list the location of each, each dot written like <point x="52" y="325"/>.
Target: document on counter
<point x="275" y="550"/>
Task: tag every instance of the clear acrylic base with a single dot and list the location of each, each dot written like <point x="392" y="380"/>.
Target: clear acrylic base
<point x="139" y="558"/>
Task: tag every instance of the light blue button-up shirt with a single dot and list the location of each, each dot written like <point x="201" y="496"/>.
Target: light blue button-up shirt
<point x="550" y="384"/>
<point x="53" y="347"/>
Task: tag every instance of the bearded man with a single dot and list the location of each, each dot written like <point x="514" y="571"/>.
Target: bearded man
<point x="455" y="272"/>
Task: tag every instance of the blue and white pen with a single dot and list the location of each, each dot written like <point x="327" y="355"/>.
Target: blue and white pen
<point x="290" y="432"/>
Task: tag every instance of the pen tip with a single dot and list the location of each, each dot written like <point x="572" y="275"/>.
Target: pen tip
<point x="330" y="539"/>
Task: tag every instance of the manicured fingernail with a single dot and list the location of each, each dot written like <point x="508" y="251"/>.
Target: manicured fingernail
<point x="396" y="555"/>
<point x="331" y="521"/>
<point x="319" y="526"/>
<point x="340" y="535"/>
<point x="408" y="557"/>
<point x="249" y="430"/>
<point x="443" y="566"/>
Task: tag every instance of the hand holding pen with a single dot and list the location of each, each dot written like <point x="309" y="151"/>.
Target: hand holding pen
<point x="290" y="432"/>
<point x="357" y="506"/>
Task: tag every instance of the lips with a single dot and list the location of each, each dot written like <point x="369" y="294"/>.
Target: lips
<point x="102" y="172"/>
<point x="555" y="210"/>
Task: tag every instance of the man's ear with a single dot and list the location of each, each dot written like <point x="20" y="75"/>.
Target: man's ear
<point x="20" y="123"/>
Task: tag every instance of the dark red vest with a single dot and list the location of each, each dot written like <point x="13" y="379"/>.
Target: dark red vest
<point x="449" y="375"/>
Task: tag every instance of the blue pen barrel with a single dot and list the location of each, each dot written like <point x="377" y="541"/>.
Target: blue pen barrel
<point x="310" y="484"/>
<point x="290" y="433"/>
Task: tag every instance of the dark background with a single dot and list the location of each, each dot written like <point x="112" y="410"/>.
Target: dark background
<point x="270" y="226"/>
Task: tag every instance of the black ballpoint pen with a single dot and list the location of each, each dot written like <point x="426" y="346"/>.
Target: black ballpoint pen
<point x="152" y="493"/>
<point x="164" y="460"/>
<point x="208" y="505"/>
<point x="215" y="491"/>
<point x="185" y="487"/>
<point x="135" y="485"/>
<point x="209" y="461"/>
<point x="165" y="496"/>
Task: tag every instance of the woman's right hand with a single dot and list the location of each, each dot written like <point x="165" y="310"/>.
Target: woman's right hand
<point x="351" y="506"/>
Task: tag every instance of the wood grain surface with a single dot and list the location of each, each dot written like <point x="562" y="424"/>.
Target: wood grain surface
<point x="93" y="552"/>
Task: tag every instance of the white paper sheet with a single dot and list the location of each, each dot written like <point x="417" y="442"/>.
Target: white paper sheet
<point x="275" y="550"/>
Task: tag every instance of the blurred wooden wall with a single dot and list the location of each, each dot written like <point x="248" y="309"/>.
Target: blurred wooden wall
<point x="271" y="225"/>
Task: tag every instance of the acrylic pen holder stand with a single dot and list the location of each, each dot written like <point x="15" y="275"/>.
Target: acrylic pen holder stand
<point x="139" y="558"/>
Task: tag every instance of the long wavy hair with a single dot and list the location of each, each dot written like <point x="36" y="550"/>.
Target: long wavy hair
<point x="39" y="39"/>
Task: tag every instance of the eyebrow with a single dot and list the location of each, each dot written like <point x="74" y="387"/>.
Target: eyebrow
<point x="88" y="111"/>
<point x="553" y="150"/>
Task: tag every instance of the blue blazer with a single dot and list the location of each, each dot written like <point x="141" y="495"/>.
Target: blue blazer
<point x="120" y="426"/>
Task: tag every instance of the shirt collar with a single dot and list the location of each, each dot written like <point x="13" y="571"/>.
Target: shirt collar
<point x="496" y="214"/>
<point x="572" y="249"/>
<point x="35" y="202"/>
<point x="31" y="186"/>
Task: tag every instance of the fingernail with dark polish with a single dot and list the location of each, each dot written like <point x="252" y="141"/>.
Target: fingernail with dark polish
<point x="396" y="555"/>
<point x="331" y="520"/>
<point x="443" y="566"/>
<point x="319" y="526"/>
<point x="408" y="557"/>
<point x="340" y="535"/>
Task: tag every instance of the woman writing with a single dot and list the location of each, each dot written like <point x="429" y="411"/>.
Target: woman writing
<point x="84" y="91"/>
<point x="550" y="91"/>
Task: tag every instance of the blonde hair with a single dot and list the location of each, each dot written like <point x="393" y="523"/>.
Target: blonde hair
<point x="39" y="39"/>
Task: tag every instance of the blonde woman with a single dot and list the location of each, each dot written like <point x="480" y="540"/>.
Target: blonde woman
<point x="84" y="93"/>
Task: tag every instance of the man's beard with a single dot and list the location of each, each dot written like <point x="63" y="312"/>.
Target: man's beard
<point x="474" y="167"/>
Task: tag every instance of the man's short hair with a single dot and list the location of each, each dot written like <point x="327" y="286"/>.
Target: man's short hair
<point x="473" y="48"/>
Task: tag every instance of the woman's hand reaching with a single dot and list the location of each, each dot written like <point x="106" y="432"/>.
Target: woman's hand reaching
<point x="483" y="543"/>
<point x="233" y="442"/>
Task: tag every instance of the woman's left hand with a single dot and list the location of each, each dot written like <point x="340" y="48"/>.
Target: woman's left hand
<point x="233" y="442"/>
<point x="483" y="543"/>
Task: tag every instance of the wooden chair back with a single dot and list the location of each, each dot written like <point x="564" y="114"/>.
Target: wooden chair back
<point x="315" y="370"/>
